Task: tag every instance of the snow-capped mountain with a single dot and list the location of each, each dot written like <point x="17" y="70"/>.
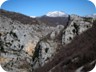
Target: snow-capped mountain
<point x="56" y="14"/>
<point x="33" y="16"/>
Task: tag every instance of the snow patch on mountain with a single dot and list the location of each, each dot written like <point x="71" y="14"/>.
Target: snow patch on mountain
<point x="33" y="16"/>
<point x="56" y="14"/>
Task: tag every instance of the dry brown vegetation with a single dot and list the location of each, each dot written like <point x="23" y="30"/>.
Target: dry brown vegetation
<point x="81" y="51"/>
<point x="18" y="17"/>
<point x="53" y="21"/>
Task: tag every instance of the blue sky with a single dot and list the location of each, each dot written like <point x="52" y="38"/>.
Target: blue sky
<point x="41" y="7"/>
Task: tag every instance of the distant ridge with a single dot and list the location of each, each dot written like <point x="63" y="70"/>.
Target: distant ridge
<point x="19" y="17"/>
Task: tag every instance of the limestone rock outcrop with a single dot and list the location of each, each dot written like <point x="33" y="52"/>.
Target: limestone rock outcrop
<point x="26" y="46"/>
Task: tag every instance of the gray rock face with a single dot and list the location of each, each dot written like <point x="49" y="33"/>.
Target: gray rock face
<point x="25" y="47"/>
<point x="20" y="39"/>
<point x="76" y="27"/>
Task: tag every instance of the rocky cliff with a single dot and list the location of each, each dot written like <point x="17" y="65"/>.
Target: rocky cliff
<point x="29" y="43"/>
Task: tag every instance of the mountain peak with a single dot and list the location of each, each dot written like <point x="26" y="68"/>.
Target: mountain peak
<point x="56" y="14"/>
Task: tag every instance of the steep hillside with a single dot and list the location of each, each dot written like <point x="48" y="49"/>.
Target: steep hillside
<point x="18" y="17"/>
<point x="81" y="52"/>
<point x="29" y="43"/>
<point x="53" y="21"/>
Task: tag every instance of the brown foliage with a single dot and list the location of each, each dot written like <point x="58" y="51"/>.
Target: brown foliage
<point x="80" y="51"/>
<point x="53" y="21"/>
<point x="19" y="17"/>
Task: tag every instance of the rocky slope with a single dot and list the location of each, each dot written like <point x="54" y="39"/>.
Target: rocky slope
<point x="29" y="43"/>
<point x="78" y="56"/>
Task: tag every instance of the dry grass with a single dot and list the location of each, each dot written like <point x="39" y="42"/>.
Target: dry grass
<point x="18" y="17"/>
<point x="82" y="47"/>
